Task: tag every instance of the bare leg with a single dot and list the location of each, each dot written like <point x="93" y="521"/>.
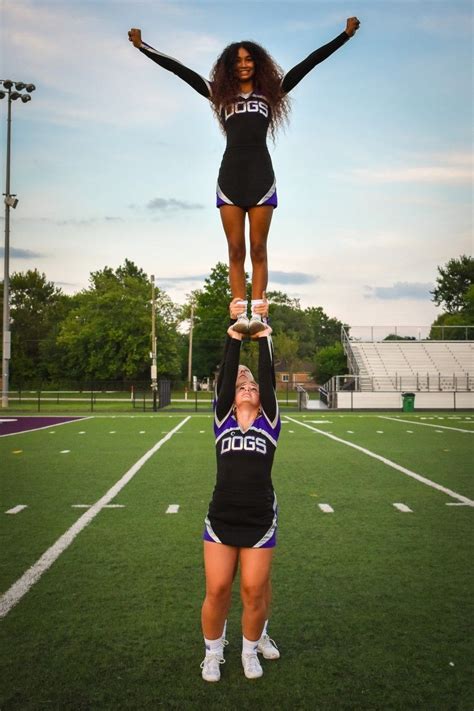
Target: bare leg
<point x="260" y="219"/>
<point x="255" y="565"/>
<point x="219" y="565"/>
<point x="233" y="221"/>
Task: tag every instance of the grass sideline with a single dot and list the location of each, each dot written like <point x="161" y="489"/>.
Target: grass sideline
<point x="370" y="604"/>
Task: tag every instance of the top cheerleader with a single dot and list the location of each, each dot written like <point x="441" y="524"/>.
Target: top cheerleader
<point x="248" y="92"/>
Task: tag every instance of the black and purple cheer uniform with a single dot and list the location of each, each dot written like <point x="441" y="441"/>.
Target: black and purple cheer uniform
<point x="246" y="176"/>
<point x="243" y="508"/>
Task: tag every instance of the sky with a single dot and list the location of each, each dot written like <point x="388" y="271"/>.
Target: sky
<point x="116" y="158"/>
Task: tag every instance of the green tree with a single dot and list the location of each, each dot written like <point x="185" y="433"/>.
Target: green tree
<point x="107" y="334"/>
<point x="286" y="349"/>
<point x="37" y="308"/>
<point x="211" y="320"/>
<point x="453" y="283"/>
<point x="325" y="331"/>
<point x="329" y="361"/>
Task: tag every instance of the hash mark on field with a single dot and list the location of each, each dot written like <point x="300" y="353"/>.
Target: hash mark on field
<point x="17" y="451"/>
<point x="19" y="588"/>
<point x="326" y="508"/>
<point x="16" y="509"/>
<point x="64" y="451"/>
<point x="403" y="507"/>
<point x="172" y="508"/>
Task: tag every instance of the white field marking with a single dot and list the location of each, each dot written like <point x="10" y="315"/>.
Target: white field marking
<point x="426" y="424"/>
<point x="108" y="506"/>
<point x="16" y="509"/>
<point x="291" y="431"/>
<point x="46" y="427"/>
<point x="142" y="432"/>
<point x="389" y="463"/>
<point x="202" y="431"/>
<point x="350" y="432"/>
<point x="82" y="432"/>
<point x="379" y="431"/>
<point x="172" y="508"/>
<point x="326" y="508"/>
<point x="64" y="451"/>
<point x="10" y="419"/>
<point x="451" y="504"/>
<point x="409" y="431"/>
<point x="14" y="594"/>
<point x="403" y="507"/>
<point x="321" y="422"/>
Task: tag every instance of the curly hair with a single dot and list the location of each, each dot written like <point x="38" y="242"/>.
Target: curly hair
<point x="266" y="81"/>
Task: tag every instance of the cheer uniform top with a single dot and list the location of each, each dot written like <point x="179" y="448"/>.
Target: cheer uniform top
<point x="246" y="176"/>
<point x="243" y="508"/>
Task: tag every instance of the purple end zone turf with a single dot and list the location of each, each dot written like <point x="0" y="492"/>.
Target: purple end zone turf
<point x="15" y="425"/>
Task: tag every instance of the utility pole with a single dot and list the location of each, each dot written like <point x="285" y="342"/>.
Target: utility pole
<point x="6" y="86"/>
<point x="154" y="382"/>
<point x="190" y="352"/>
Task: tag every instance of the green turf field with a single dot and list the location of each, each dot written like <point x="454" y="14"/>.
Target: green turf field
<point x="371" y="604"/>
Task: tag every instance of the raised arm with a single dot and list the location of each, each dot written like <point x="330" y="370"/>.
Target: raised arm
<point x="226" y="396"/>
<point x="266" y="379"/>
<point x="295" y="75"/>
<point x="195" y="80"/>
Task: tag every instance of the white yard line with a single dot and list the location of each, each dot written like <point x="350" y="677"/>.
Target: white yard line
<point x="172" y="509"/>
<point x="46" y="427"/>
<point x="389" y="463"/>
<point x="425" y="424"/>
<point x="33" y="574"/>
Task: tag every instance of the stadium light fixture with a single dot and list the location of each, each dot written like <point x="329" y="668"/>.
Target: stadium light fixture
<point x="10" y="201"/>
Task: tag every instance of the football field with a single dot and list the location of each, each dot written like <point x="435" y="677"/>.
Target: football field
<point x="102" y="580"/>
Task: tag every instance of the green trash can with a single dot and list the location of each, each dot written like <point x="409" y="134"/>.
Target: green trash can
<point x="408" y="402"/>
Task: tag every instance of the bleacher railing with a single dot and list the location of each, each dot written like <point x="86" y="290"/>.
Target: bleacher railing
<point x="402" y="333"/>
<point x="419" y="382"/>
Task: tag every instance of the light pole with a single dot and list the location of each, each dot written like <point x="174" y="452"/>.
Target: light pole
<point x="154" y="374"/>
<point x="6" y="90"/>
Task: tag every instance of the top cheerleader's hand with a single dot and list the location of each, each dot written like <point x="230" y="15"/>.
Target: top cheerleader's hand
<point x="135" y="36"/>
<point x="237" y="307"/>
<point x="352" y="26"/>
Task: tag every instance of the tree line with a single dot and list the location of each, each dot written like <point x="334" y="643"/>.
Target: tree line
<point x="103" y="333"/>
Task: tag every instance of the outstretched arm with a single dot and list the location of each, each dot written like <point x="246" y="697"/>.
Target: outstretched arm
<point x="226" y="396"/>
<point x="195" y="80"/>
<point x="266" y="377"/>
<point x="295" y="75"/>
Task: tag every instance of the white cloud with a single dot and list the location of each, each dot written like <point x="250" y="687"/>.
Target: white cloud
<point x="449" y="167"/>
<point x="85" y="71"/>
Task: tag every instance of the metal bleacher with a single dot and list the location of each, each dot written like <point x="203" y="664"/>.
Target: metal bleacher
<point x="414" y="365"/>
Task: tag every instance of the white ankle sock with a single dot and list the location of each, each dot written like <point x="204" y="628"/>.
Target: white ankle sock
<point x="256" y="302"/>
<point x="248" y="647"/>
<point x="214" y="646"/>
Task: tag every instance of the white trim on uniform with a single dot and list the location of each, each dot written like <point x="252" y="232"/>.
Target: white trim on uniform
<point x="268" y="194"/>
<point x="223" y="196"/>
<point x="272" y="528"/>
<point x="210" y="531"/>
<point x="144" y="45"/>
